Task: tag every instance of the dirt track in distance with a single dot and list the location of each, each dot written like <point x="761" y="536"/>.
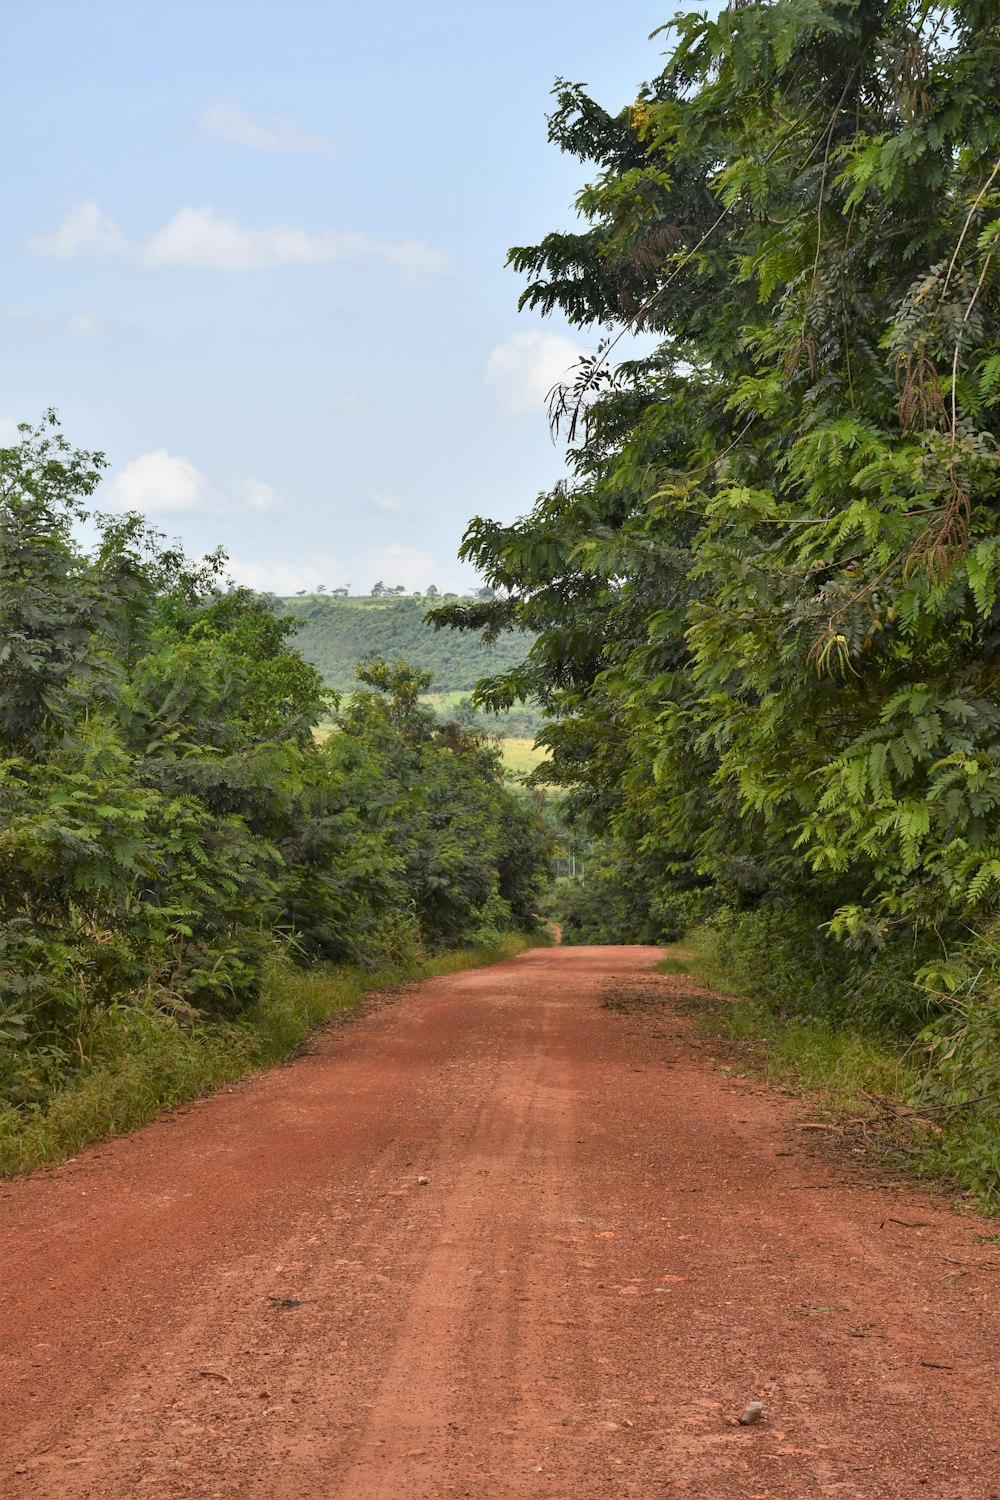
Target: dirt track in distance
<point x="617" y="1247"/>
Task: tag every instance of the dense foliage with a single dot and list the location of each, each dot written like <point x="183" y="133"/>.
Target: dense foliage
<point x="167" y="819"/>
<point x="766" y="600"/>
<point x="336" y="632"/>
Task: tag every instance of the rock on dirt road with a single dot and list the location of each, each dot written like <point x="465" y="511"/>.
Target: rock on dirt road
<point x="616" y="1250"/>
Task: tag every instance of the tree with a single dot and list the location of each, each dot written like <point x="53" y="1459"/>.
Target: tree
<point x="50" y="615"/>
<point x="169" y="825"/>
<point x="766" y="602"/>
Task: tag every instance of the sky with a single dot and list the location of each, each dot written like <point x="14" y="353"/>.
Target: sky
<point x="254" y="251"/>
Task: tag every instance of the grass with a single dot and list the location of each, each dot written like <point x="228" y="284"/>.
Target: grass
<point x="865" y="1082"/>
<point x="144" y="1062"/>
<point x="674" y="963"/>
<point x="522" y="755"/>
<point x="444" y="702"/>
<point x="844" y="1066"/>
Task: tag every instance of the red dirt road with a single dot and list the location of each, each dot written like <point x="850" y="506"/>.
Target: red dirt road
<point x="617" y="1248"/>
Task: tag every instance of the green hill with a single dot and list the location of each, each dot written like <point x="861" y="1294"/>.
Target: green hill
<point x="337" y="632"/>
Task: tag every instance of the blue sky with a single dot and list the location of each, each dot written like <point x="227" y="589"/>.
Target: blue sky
<point x="254" y="250"/>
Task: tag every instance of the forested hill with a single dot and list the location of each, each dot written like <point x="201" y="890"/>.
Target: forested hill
<point x="337" y="632"/>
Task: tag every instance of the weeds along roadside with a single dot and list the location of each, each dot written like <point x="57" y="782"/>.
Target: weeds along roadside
<point x="144" y="1060"/>
<point x="929" y="1103"/>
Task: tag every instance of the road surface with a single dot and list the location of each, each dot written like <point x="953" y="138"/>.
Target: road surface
<point x="617" y="1247"/>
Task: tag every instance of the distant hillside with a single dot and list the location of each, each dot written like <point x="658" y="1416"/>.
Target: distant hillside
<point x="336" y="633"/>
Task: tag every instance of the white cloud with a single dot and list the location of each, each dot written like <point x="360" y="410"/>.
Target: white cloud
<point x="19" y="319"/>
<point x="199" y="239"/>
<point x="347" y="402"/>
<point x="396" y="564"/>
<point x="286" y="577"/>
<point x="256" y="494"/>
<point x="85" y="230"/>
<point x="86" y="325"/>
<point x="231" y="122"/>
<point x="414" y="261"/>
<point x="524" y="367"/>
<point x="389" y="505"/>
<point x="159" y="482"/>
<point x="9" y="434"/>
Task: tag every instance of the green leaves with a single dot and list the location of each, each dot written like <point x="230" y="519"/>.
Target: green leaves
<point x="767" y="600"/>
<point x="166" y="817"/>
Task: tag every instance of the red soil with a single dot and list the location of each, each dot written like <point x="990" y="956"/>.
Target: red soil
<point x="617" y="1248"/>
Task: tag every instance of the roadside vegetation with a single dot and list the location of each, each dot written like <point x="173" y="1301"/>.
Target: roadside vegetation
<point x="864" y="1081"/>
<point x="142" y="1059"/>
<point x="763" y="610"/>
<point x="180" y="860"/>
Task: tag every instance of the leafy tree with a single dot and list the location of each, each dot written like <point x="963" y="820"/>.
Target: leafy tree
<point x="470" y="854"/>
<point x="51" y="617"/>
<point x="168" y="820"/>
<point x="766" y="603"/>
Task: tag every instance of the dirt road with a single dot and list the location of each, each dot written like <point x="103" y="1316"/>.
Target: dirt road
<point x="616" y="1248"/>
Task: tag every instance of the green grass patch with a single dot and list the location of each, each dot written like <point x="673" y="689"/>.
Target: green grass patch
<point x="843" y="1065"/>
<point x="819" y="1057"/>
<point x="522" y="755"/>
<point x="874" y="1085"/>
<point x="444" y="703"/>
<point x="673" y="964"/>
<point x="142" y="1060"/>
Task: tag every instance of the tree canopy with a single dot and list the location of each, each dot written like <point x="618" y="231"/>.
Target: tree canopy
<point x="169" y="823"/>
<point x="766" y="599"/>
